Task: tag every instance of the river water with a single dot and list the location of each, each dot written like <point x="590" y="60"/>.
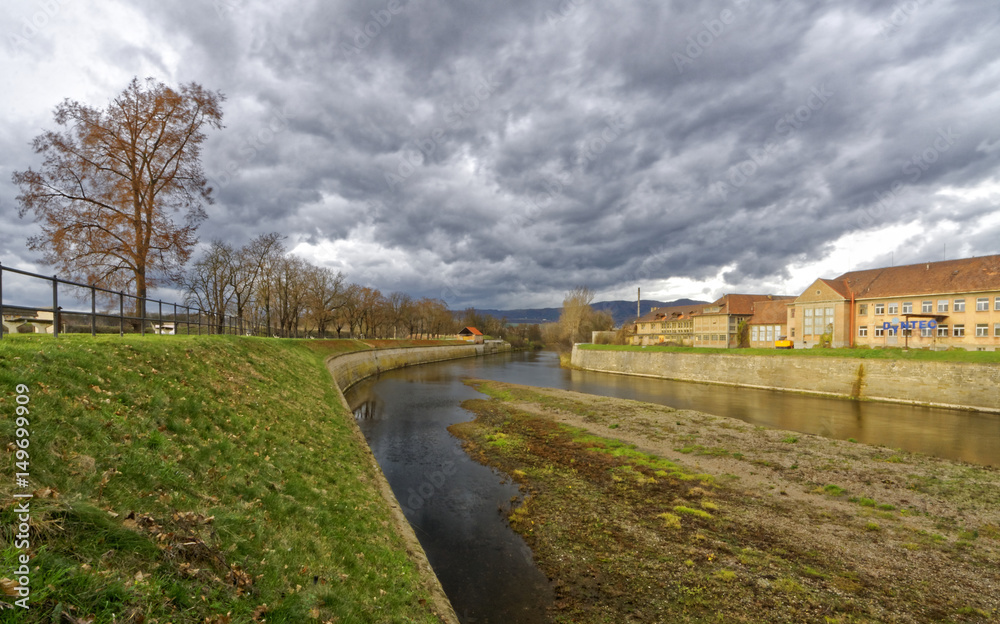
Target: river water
<point x="457" y="507"/>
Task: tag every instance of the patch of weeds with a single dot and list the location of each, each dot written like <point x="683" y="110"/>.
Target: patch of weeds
<point x="886" y="507"/>
<point x="911" y="546"/>
<point x="872" y="526"/>
<point x="726" y="576"/>
<point x="681" y="509"/>
<point x="968" y="535"/>
<point x="709" y="505"/>
<point x="613" y="426"/>
<point x="790" y="439"/>
<point x="852" y="440"/>
<point x="973" y="611"/>
<point x="834" y="490"/>
<point x="788" y="585"/>
<point x="670" y="521"/>
<point x="991" y="531"/>
<point x="813" y="572"/>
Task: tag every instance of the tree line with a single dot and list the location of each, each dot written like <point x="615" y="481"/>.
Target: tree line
<point x="264" y="286"/>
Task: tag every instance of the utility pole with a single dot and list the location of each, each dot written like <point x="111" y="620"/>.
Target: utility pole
<point x="638" y="302"/>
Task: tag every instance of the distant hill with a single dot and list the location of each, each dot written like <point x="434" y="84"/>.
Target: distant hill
<point x="621" y="311"/>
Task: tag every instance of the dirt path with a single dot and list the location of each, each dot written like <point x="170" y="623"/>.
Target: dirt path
<point x="691" y="517"/>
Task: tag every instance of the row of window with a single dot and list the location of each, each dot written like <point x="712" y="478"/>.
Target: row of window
<point x="711" y="337"/>
<point x="766" y="333"/>
<point x="927" y="307"/>
<point x="957" y="331"/>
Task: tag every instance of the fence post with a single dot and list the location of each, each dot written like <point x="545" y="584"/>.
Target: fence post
<point x="176" y="333"/>
<point x="93" y="311"/>
<point x="121" y="313"/>
<point x="1" y="302"/>
<point x="199" y="321"/>
<point x="160" y="314"/>
<point x="142" y="317"/>
<point x="55" y="306"/>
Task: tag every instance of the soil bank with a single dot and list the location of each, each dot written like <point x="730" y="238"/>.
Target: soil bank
<point x="640" y="513"/>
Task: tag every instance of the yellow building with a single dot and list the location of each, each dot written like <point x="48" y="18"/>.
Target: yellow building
<point x="717" y="325"/>
<point x="669" y="324"/>
<point x="953" y="303"/>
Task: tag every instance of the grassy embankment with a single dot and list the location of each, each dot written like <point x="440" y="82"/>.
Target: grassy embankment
<point x="643" y="513"/>
<point x="196" y="479"/>
<point x="954" y="355"/>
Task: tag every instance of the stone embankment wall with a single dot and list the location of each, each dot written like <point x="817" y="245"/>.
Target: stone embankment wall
<point x="350" y="368"/>
<point x="959" y="385"/>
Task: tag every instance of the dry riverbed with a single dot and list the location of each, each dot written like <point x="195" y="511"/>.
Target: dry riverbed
<point x="643" y="513"/>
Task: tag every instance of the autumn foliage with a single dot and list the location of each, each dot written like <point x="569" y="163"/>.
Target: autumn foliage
<point x="121" y="191"/>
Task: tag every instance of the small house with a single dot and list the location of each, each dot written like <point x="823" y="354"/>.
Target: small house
<point x="471" y="335"/>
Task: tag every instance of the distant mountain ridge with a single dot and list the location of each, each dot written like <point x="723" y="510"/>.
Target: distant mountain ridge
<point x="621" y="311"/>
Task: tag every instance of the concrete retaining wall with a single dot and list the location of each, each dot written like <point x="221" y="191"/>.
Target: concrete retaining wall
<point x="350" y="368"/>
<point x="959" y="385"/>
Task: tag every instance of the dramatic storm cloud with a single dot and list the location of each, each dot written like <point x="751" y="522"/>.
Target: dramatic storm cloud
<point x="499" y="153"/>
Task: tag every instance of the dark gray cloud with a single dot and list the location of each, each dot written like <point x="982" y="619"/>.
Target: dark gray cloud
<point x="498" y="154"/>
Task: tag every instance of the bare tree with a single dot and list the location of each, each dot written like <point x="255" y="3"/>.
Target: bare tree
<point x="253" y="263"/>
<point x="209" y="282"/>
<point x="575" y="312"/>
<point x="325" y="295"/>
<point x="121" y="191"/>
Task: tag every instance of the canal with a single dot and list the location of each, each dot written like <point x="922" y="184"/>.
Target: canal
<point x="457" y="507"/>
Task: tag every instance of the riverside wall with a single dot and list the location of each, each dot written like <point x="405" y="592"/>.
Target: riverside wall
<point x="960" y="385"/>
<point x="350" y="368"/>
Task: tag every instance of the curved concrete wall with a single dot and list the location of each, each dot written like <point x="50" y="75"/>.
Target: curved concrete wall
<point x="960" y="385"/>
<point x="350" y="368"/>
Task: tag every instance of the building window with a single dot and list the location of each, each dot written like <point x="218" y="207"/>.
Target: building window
<point x="893" y="308"/>
<point x="926" y="307"/>
<point x="863" y="331"/>
<point x="996" y="329"/>
<point x="942" y="305"/>
<point x="754" y="334"/>
<point x="959" y="331"/>
<point x="926" y="332"/>
<point x="982" y="304"/>
<point x="891" y="331"/>
<point x="908" y="307"/>
<point x="982" y="330"/>
<point x="862" y="309"/>
<point x="770" y="333"/>
<point x="942" y="331"/>
<point x="792" y="312"/>
<point x="960" y="305"/>
<point x="996" y="303"/>
<point x="879" y="332"/>
<point x="879" y="309"/>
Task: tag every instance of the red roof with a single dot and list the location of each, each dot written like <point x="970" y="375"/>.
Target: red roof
<point x="741" y="304"/>
<point x="965" y="275"/>
<point x="774" y="312"/>
<point x="471" y="330"/>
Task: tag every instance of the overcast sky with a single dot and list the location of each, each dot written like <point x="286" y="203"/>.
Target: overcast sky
<point x="499" y="153"/>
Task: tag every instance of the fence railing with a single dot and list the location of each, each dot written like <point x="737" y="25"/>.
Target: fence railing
<point x="132" y="314"/>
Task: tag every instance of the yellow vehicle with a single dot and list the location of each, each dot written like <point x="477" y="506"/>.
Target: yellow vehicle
<point x="784" y="343"/>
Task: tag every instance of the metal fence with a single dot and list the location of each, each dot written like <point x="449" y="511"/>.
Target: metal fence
<point x="127" y="313"/>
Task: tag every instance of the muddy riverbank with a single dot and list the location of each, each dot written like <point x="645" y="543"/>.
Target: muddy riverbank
<point x="639" y="512"/>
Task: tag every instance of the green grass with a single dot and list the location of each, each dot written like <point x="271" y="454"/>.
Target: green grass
<point x="184" y="478"/>
<point x="957" y="355"/>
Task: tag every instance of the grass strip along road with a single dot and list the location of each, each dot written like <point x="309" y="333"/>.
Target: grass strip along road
<point x="192" y="479"/>
<point x="643" y="513"/>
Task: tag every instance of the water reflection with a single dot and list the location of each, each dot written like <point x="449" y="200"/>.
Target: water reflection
<point x="456" y="506"/>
